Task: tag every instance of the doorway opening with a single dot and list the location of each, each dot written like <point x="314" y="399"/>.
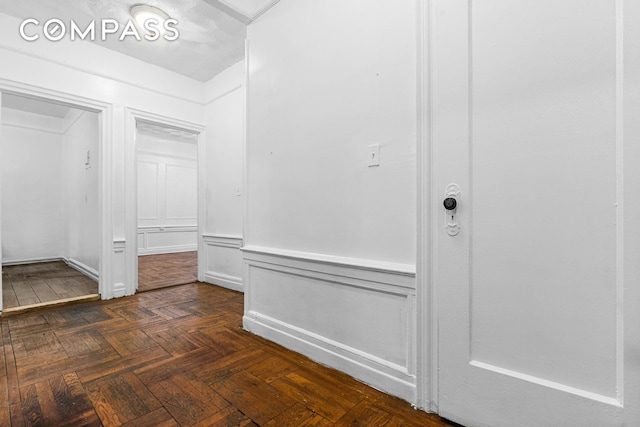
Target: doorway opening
<point x="167" y="205"/>
<point x="50" y="202"/>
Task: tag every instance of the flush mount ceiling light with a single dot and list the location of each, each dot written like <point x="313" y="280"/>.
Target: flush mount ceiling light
<point x="149" y="17"/>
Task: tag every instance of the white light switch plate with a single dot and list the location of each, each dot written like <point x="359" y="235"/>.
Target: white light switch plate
<point x="374" y="155"/>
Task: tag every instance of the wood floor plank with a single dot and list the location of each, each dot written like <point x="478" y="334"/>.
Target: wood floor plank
<point x="158" y="418"/>
<point x="51" y="415"/>
<point x="298" y="415"/>
<point x="31" y="411"/>
<point x="227" y="417"/>
<point x="331" y="403"/>
<point x="5" y="415"/>
<point x="163" y="370"/>
<point x="174" y="356"/>
<point x="131" y="341"/>
<point x="188" y="403"/>
<point x="259" y="400"/>
<point x="9" y="298"/>
<point x="271" y="369"/>
<point x="122" y="398"/>
<point x="115" y="365"/>
<point x="229" y="365"/>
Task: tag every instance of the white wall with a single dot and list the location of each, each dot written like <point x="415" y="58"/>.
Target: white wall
<point x="31" y="167"/>
<point x="224" y="154"/>
<point x="167" y="192"/>
<point x="80" y="190"/>
<point x="330" y="242"/>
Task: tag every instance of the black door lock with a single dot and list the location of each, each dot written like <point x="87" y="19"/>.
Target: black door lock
<point x="450" y="203"/>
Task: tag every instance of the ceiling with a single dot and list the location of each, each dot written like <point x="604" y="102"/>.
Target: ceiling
<point x="212" y="32"/>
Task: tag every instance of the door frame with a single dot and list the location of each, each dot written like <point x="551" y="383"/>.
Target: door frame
<point x="104" y="111"/>
<point x="426" y="292"/>
<point x="132" y="117"/>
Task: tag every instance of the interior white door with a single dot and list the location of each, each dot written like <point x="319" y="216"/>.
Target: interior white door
<point x="535" y="112"/>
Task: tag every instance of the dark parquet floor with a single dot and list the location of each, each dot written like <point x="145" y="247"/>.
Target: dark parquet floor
<point x="163" y="270"/>
<point x="173" y="357"/>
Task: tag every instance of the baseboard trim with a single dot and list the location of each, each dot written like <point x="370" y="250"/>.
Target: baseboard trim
<point x="367" y="368"/>
<point x="224" y="280"/>
<point x="119" y="290"/>
<point x="31" y="260"/>
<point x="82" y="268"/>
<point x="167" y="250"/>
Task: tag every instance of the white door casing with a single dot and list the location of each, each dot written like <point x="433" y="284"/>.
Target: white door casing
<point x="132" y="116"/>
<point x="1" y="303"/>
<point x="534" y="112"/>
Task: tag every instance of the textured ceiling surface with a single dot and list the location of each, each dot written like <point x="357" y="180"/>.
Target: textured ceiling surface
<point x="210" y="39"/>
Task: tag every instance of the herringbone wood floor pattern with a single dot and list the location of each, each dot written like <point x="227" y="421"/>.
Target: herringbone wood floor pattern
<point x="173" y="357"/>
<point x="162" y="270"/>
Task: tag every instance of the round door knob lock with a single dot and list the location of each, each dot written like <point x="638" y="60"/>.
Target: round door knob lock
<point x="450" y="203"/>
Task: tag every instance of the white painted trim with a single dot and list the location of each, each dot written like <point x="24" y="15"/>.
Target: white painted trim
<point x="245" y="144"/>
<point x="396" y="283"/>
<point x="83" y="268"/>
<point x="161" y="228"/>
<point x="132" y="116"/>
<point x="119" y="290"/>
<point x="1" y="304"/>
<point x="202" y="200"/>
<point x="426" y="337"/>
<point x="226" y="281"/>
<point x="395" y="269"/>
<point x="365" y="367"/>
<point x="226" y="241"/>
<point x="167" y="156"/>
<point x="31" y="260"/>
<point x="119" y="245"/>
<point x="167" y="250"/>
<point x="546" y="383"/>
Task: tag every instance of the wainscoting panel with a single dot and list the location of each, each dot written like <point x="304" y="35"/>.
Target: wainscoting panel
<point x="223" y="261"/>
<point x="162" y="240"/>
<point x="357" y="316"/>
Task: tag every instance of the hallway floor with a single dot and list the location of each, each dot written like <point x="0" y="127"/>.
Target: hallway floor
<point x="174" y="356"/>
<point x="27" y="285"/>
<point x="163" y="270"/>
